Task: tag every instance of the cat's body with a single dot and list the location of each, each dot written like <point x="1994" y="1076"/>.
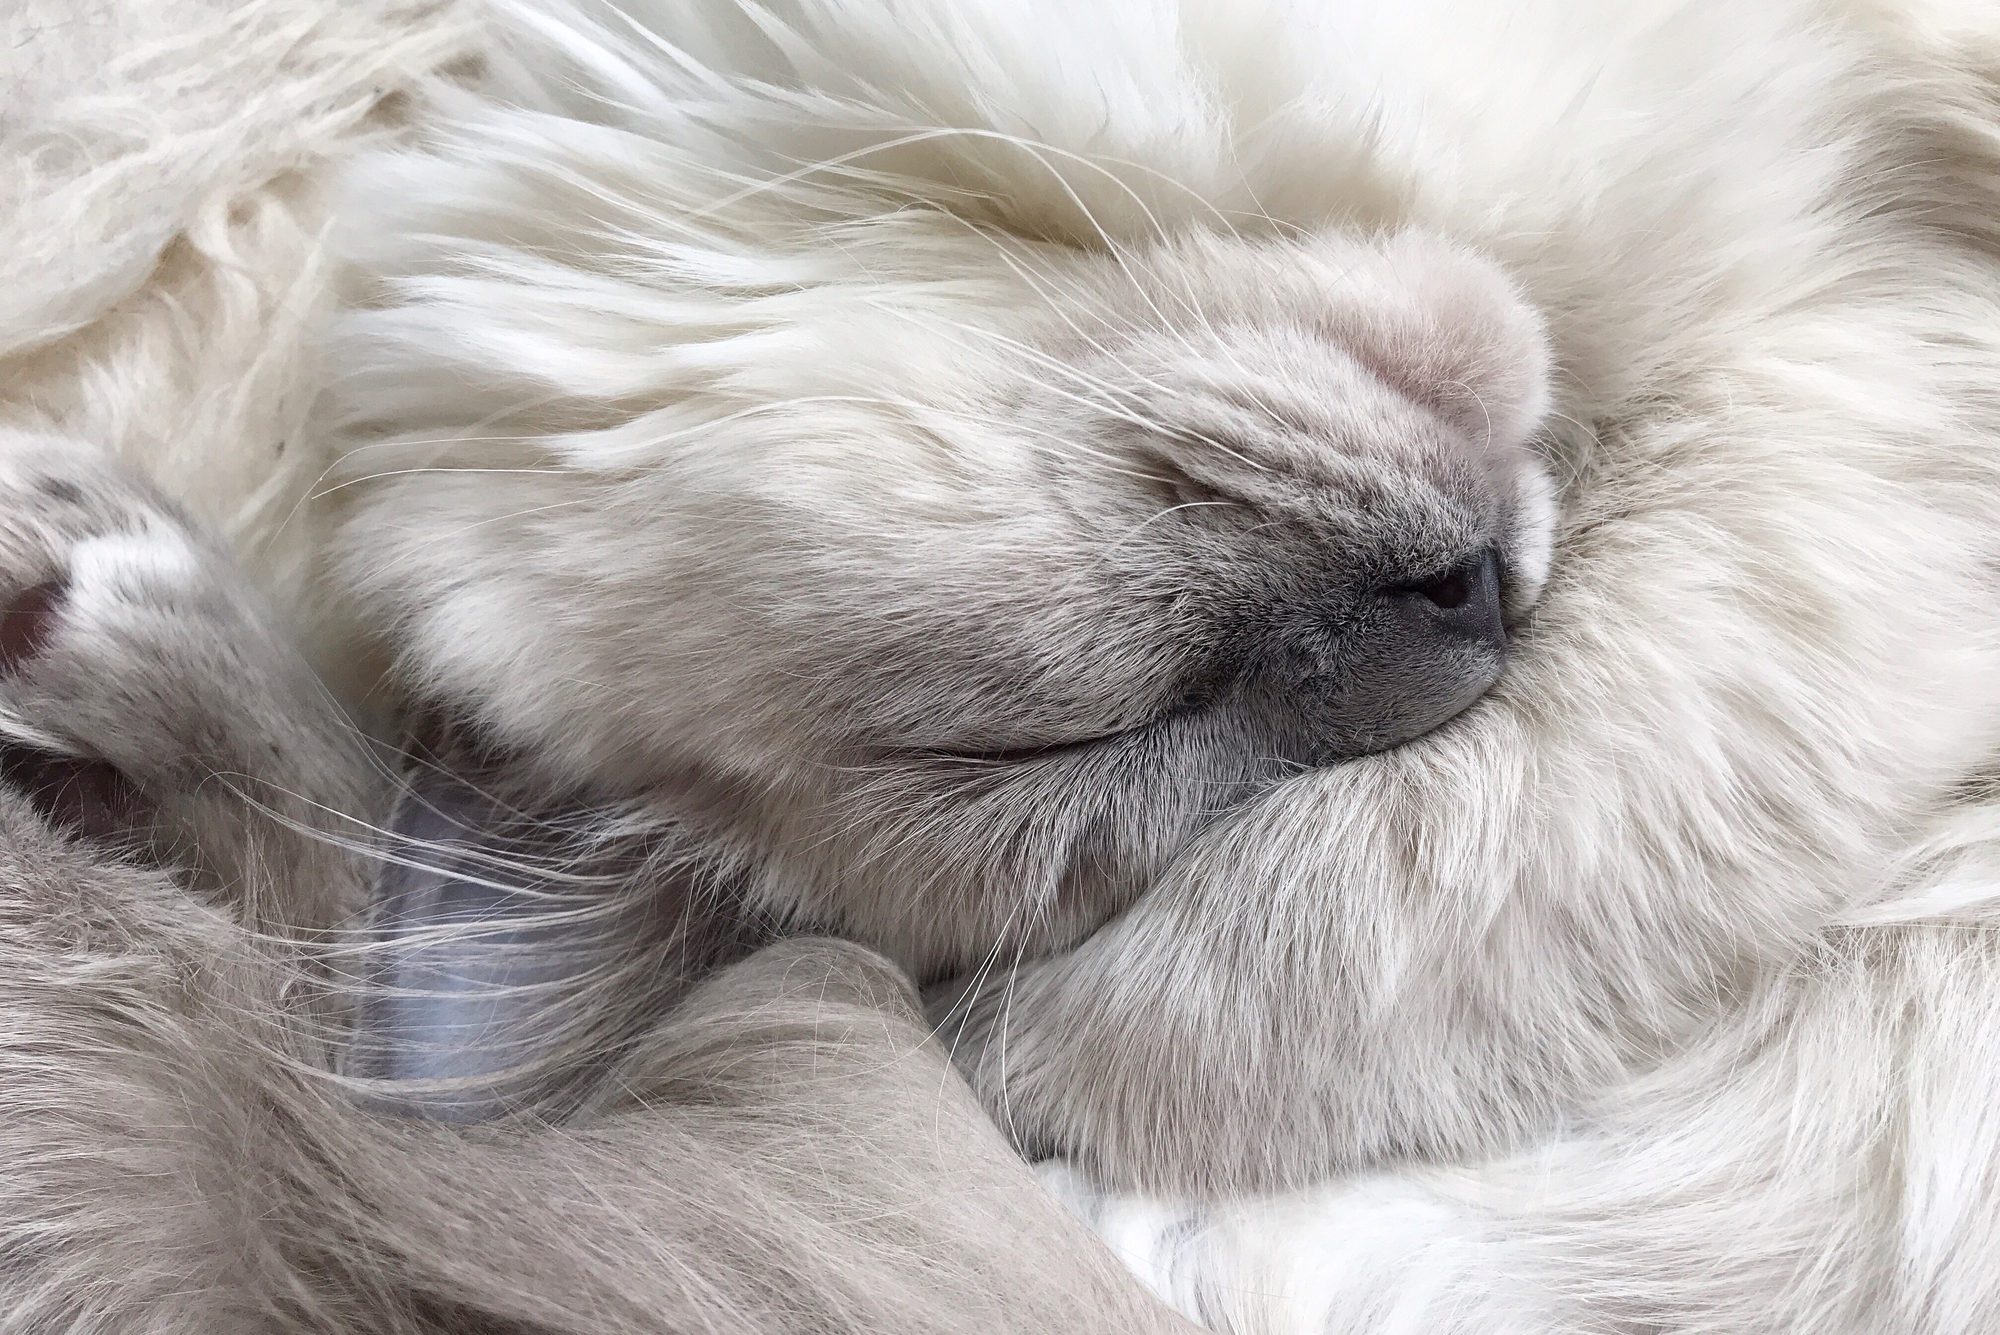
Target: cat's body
<point x="790" y="428"/>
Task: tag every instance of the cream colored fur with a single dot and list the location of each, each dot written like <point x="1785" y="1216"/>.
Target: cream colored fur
<point x="161" y="209"/>
<point x="1681" y="942"/>
<point x="609" y="336"/>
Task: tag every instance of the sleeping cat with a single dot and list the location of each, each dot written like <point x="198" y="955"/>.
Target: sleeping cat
<point x="1034" y="487"/>
<point x="969" y="682"/>
<point x="1055" y="529"/>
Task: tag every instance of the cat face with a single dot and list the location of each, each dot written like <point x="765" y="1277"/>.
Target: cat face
<point x="968" y="604"/>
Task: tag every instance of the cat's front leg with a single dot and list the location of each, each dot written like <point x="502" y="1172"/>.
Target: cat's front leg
<point x="144" y="688"/>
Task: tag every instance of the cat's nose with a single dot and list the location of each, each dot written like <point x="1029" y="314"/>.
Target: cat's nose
<point x="1412" y="655"/>
<point x="1464" y="601"/>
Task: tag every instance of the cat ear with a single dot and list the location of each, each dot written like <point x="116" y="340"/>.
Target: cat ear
<point x="1447" y="328"/>
<point x="514" y="941"/>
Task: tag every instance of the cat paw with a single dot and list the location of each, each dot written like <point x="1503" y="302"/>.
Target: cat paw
<point x="121" y="639"/>
<point x="135" y="658"/>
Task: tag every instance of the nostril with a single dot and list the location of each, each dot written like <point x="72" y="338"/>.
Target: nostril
<point x="1475" y="580"/>
<point x="1464" y="600"/>
<point x="1447" y="591"/>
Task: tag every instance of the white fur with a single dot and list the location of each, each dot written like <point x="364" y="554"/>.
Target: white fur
<point x="1592" y="941"/>
<point x="162" y="178"/>
<point x="1812" y="1149"/>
